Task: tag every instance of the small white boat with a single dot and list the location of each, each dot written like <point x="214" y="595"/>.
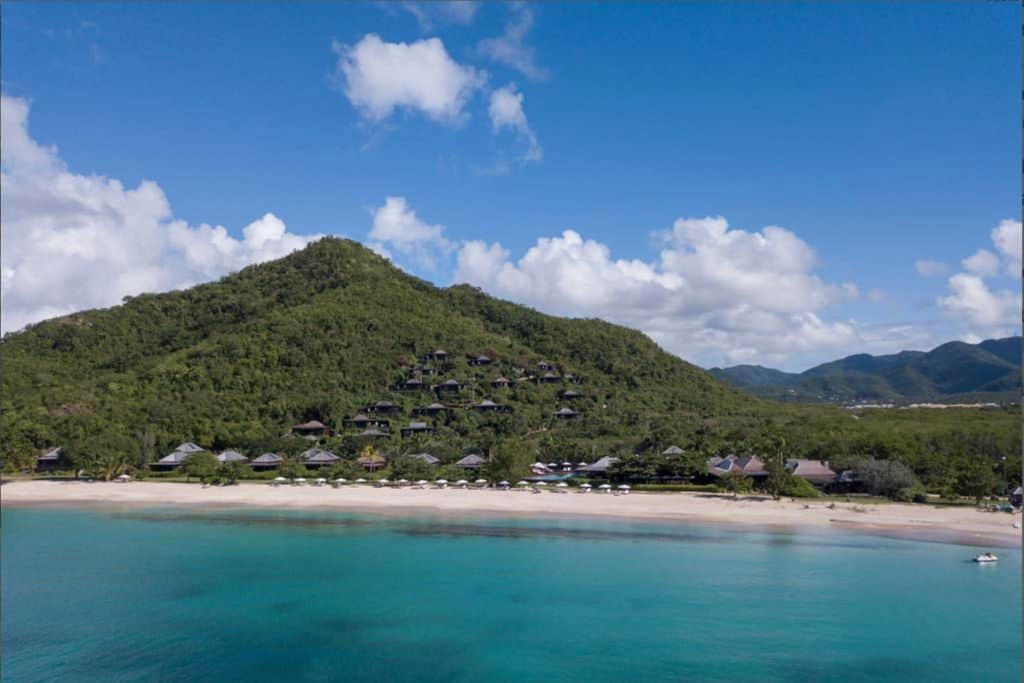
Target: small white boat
<point x="986" y="558"/>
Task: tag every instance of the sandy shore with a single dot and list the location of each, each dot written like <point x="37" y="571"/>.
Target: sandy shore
<point x="944" y="524"/>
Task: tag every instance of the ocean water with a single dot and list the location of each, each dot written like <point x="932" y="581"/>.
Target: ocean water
<point x="171" y="595"/>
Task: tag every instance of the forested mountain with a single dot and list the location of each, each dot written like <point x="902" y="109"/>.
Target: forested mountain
<point x="331" y="329"/>
<point x="952" y="372"/>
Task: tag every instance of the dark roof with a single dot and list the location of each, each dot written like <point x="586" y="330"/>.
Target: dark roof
<point x="384" y="404"/>
<point x="486" y="403"/>
<point x="51" y="455"/>
<point x="471" y="460"/>
<point x="317" y="455"/>
<point x="267" y="459"/>
<point x="311" y="425"/>
<point x="436" y="406"/>
<point x="601" y="465"/>
<point x="232" y="456"/>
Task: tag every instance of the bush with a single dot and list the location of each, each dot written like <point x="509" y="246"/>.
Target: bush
<point x="795" y="487"/>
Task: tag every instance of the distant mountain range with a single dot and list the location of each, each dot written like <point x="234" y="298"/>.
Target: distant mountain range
<point x="951" y="373"/>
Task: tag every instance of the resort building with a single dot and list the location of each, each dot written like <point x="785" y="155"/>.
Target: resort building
<point x="749" y="465"/>
<point x="48" y="461"/>
<point x="363" y="422"/>
<point x="232" y="456"/>
<point x="432" y="409"/>
<point x="486" y="406"/>
<point x="479" y="360"/>
<point x="449" y="385"/>
<point x="566" y="414"/>
<point x="267" y="461"/>
<point x="372" y="462"/>
<point x="816" y="472"/>
<point x="549" y="378"/>
<point x="471" y="462"/>
<point x="599" y="468"/>
<point x="312" y="428"/>
<point x="315" y="458"/>
<point x="372" y="434"/>
<point x="383" y="408"/>
<point x="501" y="383"/>
<point x="425" y="457"/>
<point x="569" y="395"/>
<point x="412" y="384"/>
<point x="439" y="355"/>
<point x="417" y="428"/>
<point x="672" y="450"/>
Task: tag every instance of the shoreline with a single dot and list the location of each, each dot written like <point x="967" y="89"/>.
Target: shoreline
<point x="961" y="526"/>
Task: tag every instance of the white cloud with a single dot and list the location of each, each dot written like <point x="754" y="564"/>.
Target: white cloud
<point x="927" y="268"/>
<point x="379" y="77"/>
<point x="982" y="262"/>
<point x="506" y="111"/>
<point x="972" y="303"/>
<point x="713" y="295"/>
<point x="451" y="12"/>
<point x="397" y="226"/>
<point x="73" y="241"/>
<point x="510" y="48"/>
<point x="975" y="305"/>
<point x="1007" y="238"/>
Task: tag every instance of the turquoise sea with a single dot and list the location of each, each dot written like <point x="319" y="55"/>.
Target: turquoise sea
<point x="228" y="595"/>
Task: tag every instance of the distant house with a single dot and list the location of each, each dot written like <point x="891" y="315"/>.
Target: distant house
<point x="232" y="456"/>
<point x="501" y="383"/>
<point x="546" y="365"/>
<point x="432" y="409"/>
<point x="438" y="354"/>
<point x="549" y="378"/>
<point x="372" y="462"/>
<point x="566" y="414"/>
<point x="449" y="385"/>
<point x="425" y="457"/>
<point x="372" y="434"/>
<point x="417" y="428"/>
<point x="425" y="370"/>
<point x="479" y="360"/>
<point x="750" y="465"/>
<point x="598" y="468"/>
<point x="315" y="458"/>
<point x="189" y="447"/>
<point x="312" y="428"/>
<point x="173" y="460"/>
<point x="816" y="472"/>
<point x="412" y="384"/>
<point x="267" y="461"/>
<point x="48" y="461"/>
<point x="540" y="468"/>
<point x="569" y="395"/>
<point x="487" y="405"/>
<point x="672" y="450"/>
<point x="471" y="462"/>
<point x="383" y="408"/>
<point x="363" y="422"/>
<point x="574" y="378"/>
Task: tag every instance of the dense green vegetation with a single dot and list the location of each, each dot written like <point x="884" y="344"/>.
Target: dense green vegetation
<point x="953" y="372"/>
<point x="328" y="330"/>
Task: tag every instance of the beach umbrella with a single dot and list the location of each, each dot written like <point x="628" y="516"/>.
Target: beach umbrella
<point x="561" y="485"/>
<point x="581" y="464"/>
<point x="552" y="464"/>
<point x="300" y="480"/>
<point x="280" y="479"/>
<point x="403" y="481"/>
<point x="462" y="483"/>
<point x="585" y="488"/>
<point x="321" y="481"/>
<point x="624" y="487"/>
<point x="125" y="477"/>
<point x="441" y="483"/>
<point x="518" y="483"/>
<point x="360" y="480"/>
<point x="421" y="482"/>
<point x="566" y="464"/>
<point x="503" y="484"/>
<point x="480" y="482"/>
<point x="341" y="480"/>
<point x="605" y="487"/>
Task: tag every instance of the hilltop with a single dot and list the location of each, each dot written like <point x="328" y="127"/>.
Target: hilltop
<point x="955" y="372"/>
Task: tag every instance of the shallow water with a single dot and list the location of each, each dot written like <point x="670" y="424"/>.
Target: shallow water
<point x="173" y="595"/>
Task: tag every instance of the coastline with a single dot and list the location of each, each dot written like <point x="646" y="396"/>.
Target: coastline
<point x="956" y="525"/>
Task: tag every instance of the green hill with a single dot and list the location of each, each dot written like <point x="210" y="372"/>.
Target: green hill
<point x="331" y="329"/>
<point x="952" y="372"/>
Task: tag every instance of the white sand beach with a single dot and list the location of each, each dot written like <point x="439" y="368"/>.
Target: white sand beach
<point x="944" y="524"/>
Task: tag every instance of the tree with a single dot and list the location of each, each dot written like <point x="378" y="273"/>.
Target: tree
<point x="231" y="471"/>
<point x="103" y="455"/>
<point x="976" y="478"/>
<point x="404" y="467"/>
<point x="735" y="482"/>
<point x="772" y="449"/>
<point x="202" y="465"/>
<point x="292" y="470"/>
<point x="886" y="477"/>
<point x="509" y="461"/>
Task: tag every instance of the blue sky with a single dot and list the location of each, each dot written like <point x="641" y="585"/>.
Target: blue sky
<point x="878" y="135"/>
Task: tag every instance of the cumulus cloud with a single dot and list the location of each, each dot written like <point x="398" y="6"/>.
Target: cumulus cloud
<point x="74" y="241"/>
<point x="975" y="301"/>
<point x="928" y="268"/>
<point x="378" y="77"/>
<point x="396" y="226"/>
<point x="714" y="294"/>
<point x="511" y="49"/>
<point x="506" y="111"/>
